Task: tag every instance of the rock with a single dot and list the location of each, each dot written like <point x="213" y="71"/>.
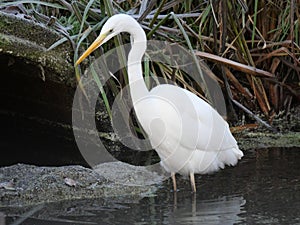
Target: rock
<point x="28" y="40"/>
<point x="37" y="89"/>
<point x="35" y="185"/>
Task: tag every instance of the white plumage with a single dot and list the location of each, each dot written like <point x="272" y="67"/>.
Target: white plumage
<point x="187" y="133"/>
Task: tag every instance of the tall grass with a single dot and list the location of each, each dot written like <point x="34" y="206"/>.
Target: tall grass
<point x="252" y="49"/>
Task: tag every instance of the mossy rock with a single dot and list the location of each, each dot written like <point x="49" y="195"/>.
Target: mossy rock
<point x="22" y="184"/>
<point x="37" y="91"/>
<point x="28" y="40"/>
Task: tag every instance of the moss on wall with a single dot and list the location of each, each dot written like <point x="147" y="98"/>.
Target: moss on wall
<point x="28" y="40"/>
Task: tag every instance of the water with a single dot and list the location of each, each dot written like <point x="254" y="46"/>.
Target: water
<point x="263" y="189"/>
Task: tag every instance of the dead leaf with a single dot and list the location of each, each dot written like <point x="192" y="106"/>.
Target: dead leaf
<point x="8" y="185"/>
<point x="70" y="182"/>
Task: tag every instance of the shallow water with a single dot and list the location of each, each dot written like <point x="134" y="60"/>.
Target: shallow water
<point x="264" y="188"/>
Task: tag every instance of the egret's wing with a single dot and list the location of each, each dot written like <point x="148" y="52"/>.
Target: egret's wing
<point x="196" y="124"/>
<point x="214" y="132"/>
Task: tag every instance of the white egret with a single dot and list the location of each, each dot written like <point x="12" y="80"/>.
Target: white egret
<point x="188" y="134"/>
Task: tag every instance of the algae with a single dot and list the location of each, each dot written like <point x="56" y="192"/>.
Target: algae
<point x="256" y="140"/>
<point x="28" y="40"/>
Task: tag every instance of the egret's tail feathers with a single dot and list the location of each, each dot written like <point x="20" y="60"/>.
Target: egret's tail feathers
<point x="202" y="162"/>
<point x="208" y="162"/>
<point x="230" y="156"/>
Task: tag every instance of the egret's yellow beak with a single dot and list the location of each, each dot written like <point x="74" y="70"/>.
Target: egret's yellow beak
<point x="93" y="46"/>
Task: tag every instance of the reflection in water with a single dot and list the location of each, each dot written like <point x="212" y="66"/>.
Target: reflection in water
<point x="263" y="189"/>
<point x="2" y="218"/>
<point x="223" y="210"/>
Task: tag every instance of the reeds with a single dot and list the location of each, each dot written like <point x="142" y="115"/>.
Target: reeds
<point x="251" y="47"/>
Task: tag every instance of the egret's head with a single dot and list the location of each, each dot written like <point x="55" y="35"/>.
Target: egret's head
<point x="113" y="26"/>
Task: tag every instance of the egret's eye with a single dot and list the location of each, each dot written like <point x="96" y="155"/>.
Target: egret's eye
<point x="110" y="31"/>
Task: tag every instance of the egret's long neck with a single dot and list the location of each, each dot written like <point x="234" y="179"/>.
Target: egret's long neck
<point x="138" y="88"/>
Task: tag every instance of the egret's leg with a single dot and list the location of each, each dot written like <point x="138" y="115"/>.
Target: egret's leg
<point x="192" y="178"/>
<point x="174" y="181"/>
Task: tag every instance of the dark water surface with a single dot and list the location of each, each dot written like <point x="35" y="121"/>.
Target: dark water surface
<point x="263" y="189"/>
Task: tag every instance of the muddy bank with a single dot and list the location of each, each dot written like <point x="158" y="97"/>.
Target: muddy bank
<point x="257" y="140"/>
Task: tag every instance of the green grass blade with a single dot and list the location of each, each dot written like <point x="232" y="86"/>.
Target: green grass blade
<point x="100" y="86"/>
<point x="150" y="33"/>
<point x="157" y="13"/>
<point x="195" y="59"/>
<point x="85" y="15"/>
<point x="147" y="71"/>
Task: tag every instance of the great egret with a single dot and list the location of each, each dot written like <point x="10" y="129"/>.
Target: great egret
<point x="187" y="133"/>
